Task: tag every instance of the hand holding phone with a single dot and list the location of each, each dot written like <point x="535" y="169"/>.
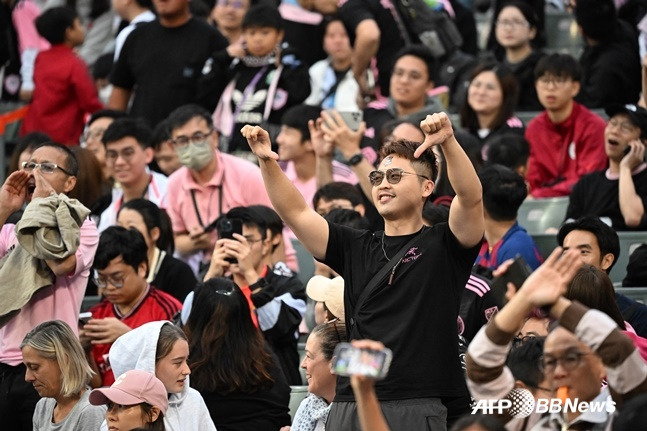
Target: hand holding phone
<point x="226" y="230"/>
<point x="349" y="360"/>
<point x="352" y="119"/>
<point x="84" y="318"/>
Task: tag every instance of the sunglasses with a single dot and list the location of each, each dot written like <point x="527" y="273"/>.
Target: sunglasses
<point x="393" y="176"/>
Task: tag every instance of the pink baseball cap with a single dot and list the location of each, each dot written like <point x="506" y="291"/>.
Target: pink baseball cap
<point x="133" y="387"/>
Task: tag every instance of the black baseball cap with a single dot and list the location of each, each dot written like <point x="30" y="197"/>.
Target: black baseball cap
<point x="637" y="114"/>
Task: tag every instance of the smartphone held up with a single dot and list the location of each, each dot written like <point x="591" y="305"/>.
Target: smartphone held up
<point x="349" y="360"/>
<point x="226" y="229"/>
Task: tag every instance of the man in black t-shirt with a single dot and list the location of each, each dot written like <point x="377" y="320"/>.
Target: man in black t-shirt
<point x="414" y="308"/>
<point x="161" y="62"/>
<point x="617" y="195"/>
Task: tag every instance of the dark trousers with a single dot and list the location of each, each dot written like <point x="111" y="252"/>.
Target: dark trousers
<point x="424" y="414"/>
<point x="17" y="399"/>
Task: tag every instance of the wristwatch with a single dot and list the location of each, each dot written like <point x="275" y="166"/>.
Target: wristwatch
<point x="356" y="159"/>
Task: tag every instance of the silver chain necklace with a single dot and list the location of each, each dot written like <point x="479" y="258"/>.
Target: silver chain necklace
<point x="383" y="250"/>
<point x="387" y="258"/>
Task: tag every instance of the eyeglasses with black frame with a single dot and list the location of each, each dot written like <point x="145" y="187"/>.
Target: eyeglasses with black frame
<point x="569" y="361"/>
<point x="46" y="168"/>
<point x="393" y="176"/>
<point x="183" y="141"/>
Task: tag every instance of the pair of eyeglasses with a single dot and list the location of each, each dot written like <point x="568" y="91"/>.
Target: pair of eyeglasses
<point x="393" y="176"/>
<point x="512" y="23"/>
<point x="126" y="154"/>
<point x="557" y="81"/>
<point x="625" y="127"/>
<point x="46" y="168"/>
<point x="569" y="361"/>
<point x="183" y="141"/>
<point x="116" y="281"/>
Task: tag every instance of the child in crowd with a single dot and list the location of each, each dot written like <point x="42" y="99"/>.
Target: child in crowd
<point x="264" y="79"/>
<point x="64" y="91"/>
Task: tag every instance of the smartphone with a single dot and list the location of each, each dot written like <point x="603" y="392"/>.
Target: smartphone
<point x="227" y="228"/>
<point x="348" y="360"/>
<point x="352" y="119"/>
<point x="516" y="274"/>
<point x="628" y="148"/>
<point x="84" y="317"/>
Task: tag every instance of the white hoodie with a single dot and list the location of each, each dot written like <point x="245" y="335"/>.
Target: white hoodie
<point x="135" y="350"/>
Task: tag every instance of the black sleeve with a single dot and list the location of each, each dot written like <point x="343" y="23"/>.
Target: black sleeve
<point x="277" y="306"/>
<point x="575" y="209"/>
<point x="352" y="13"/>
<point x="295" y="78"/>
<point x="122" y="74"/>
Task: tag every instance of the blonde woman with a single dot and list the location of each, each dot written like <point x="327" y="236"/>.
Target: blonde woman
<point x="57" y="368"/>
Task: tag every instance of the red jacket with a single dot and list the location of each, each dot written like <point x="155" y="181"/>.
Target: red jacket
<point x="64" y="92"/>
<point x="155" y="305"/>
<point x="561" y="153"/>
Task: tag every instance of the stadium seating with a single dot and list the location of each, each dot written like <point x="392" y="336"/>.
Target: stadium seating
<point x="537" y="215"/>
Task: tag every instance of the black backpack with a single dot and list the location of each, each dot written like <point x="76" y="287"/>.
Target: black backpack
<point x="433" y="28"/>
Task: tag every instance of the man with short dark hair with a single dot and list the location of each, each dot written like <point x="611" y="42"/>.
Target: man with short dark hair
<point x="208" y="184"/>
<point x="50" y="173"/>
<point x="566" y="140"/>
<point x="128" y="153"/>
<point x="618" y="195"/>
<point x="503" y="193"/>
<point x="412" y="77"/>
<point x="121" y="266"/>
<point x="410" y="294"/>
<point x="599" y="246"/>
<point x="184" y="42"/>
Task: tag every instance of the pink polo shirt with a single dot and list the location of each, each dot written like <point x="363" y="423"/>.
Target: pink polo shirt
<point x="235" y="183"/>
<point x="61" y="301"/>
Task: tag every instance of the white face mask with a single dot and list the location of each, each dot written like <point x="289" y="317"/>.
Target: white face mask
<point x="195" y="155"/>
<point x="104" y="94"/>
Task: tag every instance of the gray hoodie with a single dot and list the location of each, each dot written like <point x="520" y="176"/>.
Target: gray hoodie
<point x="135" y="350"/>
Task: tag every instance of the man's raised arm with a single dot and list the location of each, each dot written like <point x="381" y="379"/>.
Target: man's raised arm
<point x="309" y="227"/>
<point x="466" y="212"/>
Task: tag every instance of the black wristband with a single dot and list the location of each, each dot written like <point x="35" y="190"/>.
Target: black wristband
<point x="356" y="159"/>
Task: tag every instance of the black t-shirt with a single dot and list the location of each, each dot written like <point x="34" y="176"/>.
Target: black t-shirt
<point x="163" y="65"/>
<point x="354" y="12"/>
<point x="415" y="316"/>
<point x="596" y="195"/>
